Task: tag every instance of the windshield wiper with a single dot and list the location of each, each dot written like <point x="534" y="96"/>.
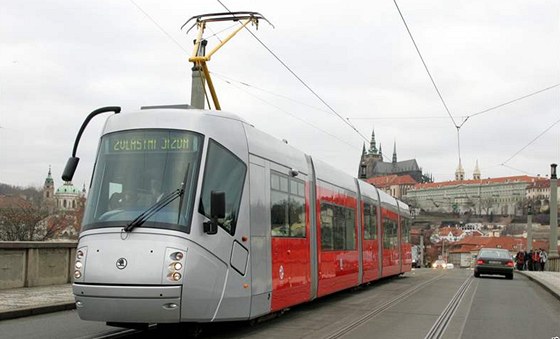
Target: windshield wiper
<point x="147" y="214"/>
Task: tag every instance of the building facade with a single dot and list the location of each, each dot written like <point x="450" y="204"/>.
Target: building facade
<point x="498" y="196"/>
<point x="396" y="186"/>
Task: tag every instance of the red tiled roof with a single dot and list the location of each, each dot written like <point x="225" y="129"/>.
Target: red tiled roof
<point x="472" y="244"/>
<point x="389" y="180"/>
<point x="540" y="183"/>
<point x="520" y="178"/>
<point x="444" y="231"/>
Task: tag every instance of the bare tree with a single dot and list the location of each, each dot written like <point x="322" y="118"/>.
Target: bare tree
<point x="20" y="223"/>
<point x="486" y="204"/>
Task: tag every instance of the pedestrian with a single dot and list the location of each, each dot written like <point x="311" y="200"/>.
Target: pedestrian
<point x="544" y="258"/>
<point x="526" y="264"/>
<point x="520" y="260"/>
<point x="536" y="260"/>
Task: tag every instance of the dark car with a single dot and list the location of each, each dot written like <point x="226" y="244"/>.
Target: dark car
<point x="494" y="261"/>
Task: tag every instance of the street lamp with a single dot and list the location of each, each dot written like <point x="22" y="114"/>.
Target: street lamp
<point x="553" y="248"/>
<point x="529" y="227"/>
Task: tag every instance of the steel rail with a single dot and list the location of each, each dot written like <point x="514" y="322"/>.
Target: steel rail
<point x="439" y="327"/>
<point x="380" y="309"/>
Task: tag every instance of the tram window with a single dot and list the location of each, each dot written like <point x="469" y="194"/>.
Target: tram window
<point x="338" y="231"/>
<point x="370" y="222"/>
<point x="390" y="235"/>
<point x="224" y="172"/>
<point x="287" y="210"/>
<point x="405" y="228"/>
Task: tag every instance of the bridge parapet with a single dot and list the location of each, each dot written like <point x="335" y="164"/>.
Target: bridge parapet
<point x="553" y="264"/>
<point x="36" y="263"/>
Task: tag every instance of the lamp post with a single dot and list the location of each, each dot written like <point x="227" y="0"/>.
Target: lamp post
<point x="553" y="248"/>
<point x="529" y="227"/>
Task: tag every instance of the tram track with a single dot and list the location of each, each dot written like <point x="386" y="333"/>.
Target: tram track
<point x="381" y="308"/>
<point x="439" y="327"/>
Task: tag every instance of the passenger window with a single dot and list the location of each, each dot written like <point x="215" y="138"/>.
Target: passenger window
<point x="390" y="235"/>
<point x="224" y="172"/>
<point x="287" y="206"/>
<point x="338" y="231"/>
<point x="370" y="222"/>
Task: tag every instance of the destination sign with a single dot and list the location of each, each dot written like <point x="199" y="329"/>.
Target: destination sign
<point x="133" y="142"/>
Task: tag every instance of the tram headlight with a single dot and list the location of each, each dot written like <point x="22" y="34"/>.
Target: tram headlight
<point x="177" y="266"/>
<point x="177" y="256"/>
<point x="175" y="262"/>
<point x="80" y="263"/>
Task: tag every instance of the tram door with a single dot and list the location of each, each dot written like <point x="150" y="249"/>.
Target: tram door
<point x="370" y="247"/>
<point x="289" y="219"/>
<point x="391" y="245"/>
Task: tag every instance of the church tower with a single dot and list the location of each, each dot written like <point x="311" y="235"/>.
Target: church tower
<point x="460" y="172"/>
<point x="395" y="152"/>
<point x="49" y="200"/>
<point x="476" y="173"/>
<point x="372" y="147"/>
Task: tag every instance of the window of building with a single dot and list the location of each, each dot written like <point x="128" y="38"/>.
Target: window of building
<point x="224" y="172"/>
<point x="338" y="227"/>
<point x="287" y="206"/>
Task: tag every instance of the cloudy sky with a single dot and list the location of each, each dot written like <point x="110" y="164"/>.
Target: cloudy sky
<point x="59" y="60"/>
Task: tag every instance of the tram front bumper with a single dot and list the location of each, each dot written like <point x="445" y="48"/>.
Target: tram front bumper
<point x="128" y="304"/>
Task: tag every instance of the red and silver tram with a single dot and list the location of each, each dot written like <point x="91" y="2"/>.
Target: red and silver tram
<point x="197" y="216"/>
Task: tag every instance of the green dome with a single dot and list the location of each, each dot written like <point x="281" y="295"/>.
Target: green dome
<point x="68" y="188"/>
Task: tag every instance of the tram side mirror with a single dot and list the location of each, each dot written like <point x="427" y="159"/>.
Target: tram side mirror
<point x="70" y="168"/>
<point x="217" y="211"/>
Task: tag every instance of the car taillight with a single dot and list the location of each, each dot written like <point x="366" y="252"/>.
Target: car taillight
<point x="480" y="262"/>
<point x="510" y="264"/>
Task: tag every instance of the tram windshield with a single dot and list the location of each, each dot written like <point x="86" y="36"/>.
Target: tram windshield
<point x="137" y="168"/>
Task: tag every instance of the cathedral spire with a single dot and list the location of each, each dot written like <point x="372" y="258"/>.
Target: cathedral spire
<point x="372" y="147"/>
<point x="364" y="150"/>
<point x="460" y="172"/>
<point x="395" y="152"/>
<point x="476" y="173"/>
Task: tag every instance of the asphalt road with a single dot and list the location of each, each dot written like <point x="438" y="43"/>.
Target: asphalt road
<point x="422" y="304"/>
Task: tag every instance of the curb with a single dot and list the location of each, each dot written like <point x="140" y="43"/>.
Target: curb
<point x="25" y="312"/>
<point x="554" y="291"/>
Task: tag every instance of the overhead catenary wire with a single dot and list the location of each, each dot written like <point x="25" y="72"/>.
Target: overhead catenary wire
<point x="346" y="121"/>
<point x="205" y="93"/>
<point x="425" y="66"/>
<point x="531" y="142"/>
<point x="290" y="114"/>
<point x="158" y="25"/>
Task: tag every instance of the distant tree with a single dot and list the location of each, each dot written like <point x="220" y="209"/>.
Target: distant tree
<point x="486" y="205"/>
<point x="20" y="223"/>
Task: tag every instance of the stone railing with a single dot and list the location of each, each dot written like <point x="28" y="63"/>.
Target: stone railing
<point x="36" y="263"/>
<point x="553" y="264"/>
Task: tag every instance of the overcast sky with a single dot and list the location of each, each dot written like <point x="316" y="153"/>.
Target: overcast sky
<point x="59" y="60"/>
